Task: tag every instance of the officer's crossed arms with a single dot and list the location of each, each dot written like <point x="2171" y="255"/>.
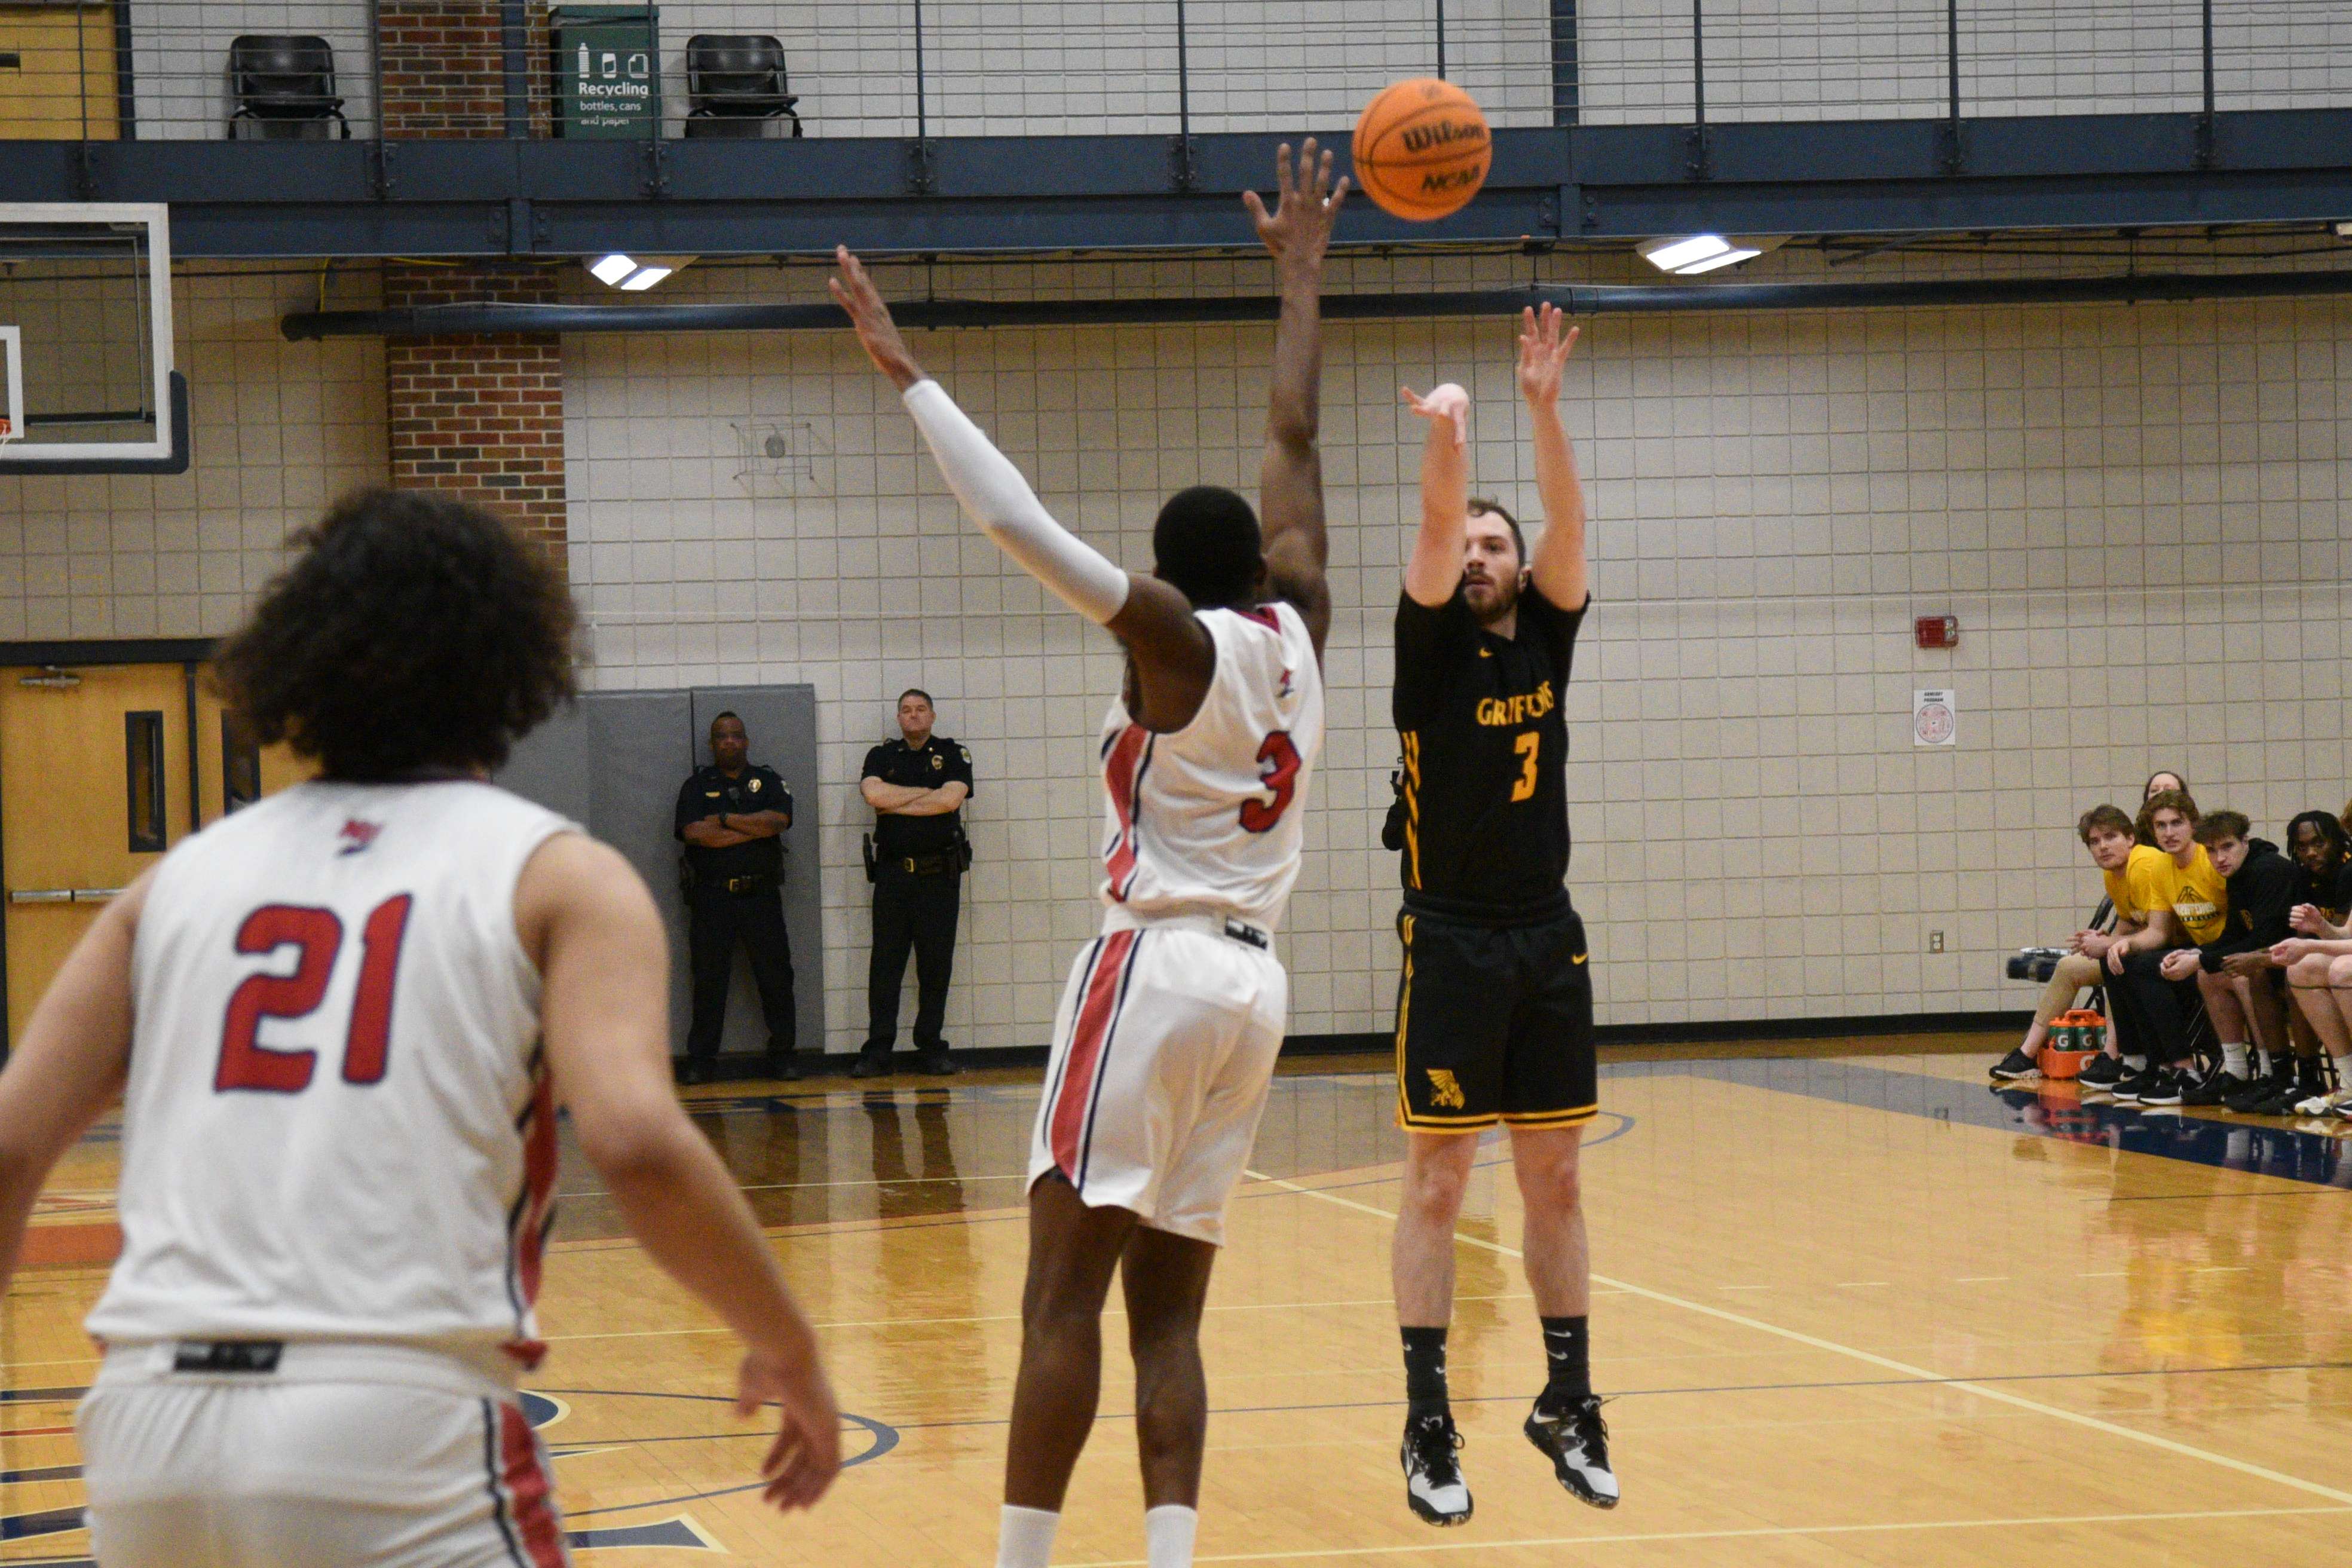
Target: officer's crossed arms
<point x="915" y="718"/>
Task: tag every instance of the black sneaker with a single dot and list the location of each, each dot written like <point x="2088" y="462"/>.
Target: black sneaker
<point x="2016" y="1065"/>
<point x="2280" y="1099"/>
<point x="937" y="1064"/>
<point x="871" y="1064"/>
<point x="2247" y="1099"/>
<point x="2101" y="1071"/>
<point x="1432" y="1475"/>
<point x="1577" y="1442"/>
<point x="2132" y="1085"/>
<point x="2167" y="1086"/>
<point x="2220" y="1089"/>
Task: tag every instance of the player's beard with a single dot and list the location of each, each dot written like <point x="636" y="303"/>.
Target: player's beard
<point x="1490" y="599"/>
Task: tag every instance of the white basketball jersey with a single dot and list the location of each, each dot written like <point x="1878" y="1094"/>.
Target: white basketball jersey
<point x="1209" y="819"/>
<point x="337" y="1125"/>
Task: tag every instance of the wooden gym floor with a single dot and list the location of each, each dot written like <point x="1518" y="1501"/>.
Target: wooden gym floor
<point x="1855" y="1309"/>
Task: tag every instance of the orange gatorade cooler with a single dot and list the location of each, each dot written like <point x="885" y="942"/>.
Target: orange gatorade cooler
<point x="2075" y="1039"/>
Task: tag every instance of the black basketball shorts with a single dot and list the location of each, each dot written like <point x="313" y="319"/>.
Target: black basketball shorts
<point x="1494" y="1024"/>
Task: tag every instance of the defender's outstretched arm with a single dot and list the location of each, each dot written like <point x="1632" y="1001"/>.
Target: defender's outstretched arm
<point x="1173" y="655"/>
<point x="1290" y="475"/>
<point x="1562" y="574"/>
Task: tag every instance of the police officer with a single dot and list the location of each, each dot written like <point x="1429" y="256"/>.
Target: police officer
<point x="730" y="815"/>
<point x="916" y="786"/>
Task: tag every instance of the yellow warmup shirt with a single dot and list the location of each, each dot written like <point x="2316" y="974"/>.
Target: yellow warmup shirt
<point x="2201" y="897"/>
<point x="2144" y="884"/>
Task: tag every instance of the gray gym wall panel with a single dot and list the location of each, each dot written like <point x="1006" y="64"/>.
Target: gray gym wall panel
<point x="614" y="763"/>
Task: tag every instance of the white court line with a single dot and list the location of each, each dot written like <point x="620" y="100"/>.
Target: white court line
<point x="1762" y="1532"/>
<point x="1997" y="1395"/>
<point x="1979" y="1279"/>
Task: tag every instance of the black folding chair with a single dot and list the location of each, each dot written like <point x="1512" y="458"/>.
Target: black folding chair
<point x="735" y="84"/>
<point x="284" y="84"/>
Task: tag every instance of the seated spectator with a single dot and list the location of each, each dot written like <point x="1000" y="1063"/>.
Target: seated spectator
<point x="2106" y="833"/>
<point x="2234" y="973"/>
<point x="2321" y="855"/>
<point x="2319" y="980"/>
<point x="2158" y="783"/>
<point x="2197" y="911"/>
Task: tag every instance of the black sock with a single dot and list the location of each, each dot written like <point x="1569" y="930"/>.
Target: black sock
<point x="1567" y="1345"/>
<point x="1424" y="1372"/>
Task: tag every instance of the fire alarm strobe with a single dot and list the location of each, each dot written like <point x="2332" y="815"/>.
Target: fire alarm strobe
<point x="1938" y="631"/>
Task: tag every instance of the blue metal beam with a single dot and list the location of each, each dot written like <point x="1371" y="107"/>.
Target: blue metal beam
<point x="550" y="198"/>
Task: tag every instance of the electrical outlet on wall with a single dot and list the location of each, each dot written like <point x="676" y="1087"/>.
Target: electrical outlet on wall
<point x="1935" y="942"/>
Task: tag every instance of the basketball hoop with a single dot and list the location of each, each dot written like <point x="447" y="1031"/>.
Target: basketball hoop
<point x="86" y="348"/>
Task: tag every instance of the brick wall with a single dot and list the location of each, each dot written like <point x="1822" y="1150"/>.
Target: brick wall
<point x="479" y="415"/>
<point x="444" y="68"/>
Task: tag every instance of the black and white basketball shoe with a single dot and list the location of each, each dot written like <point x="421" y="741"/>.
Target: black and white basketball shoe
<point x="1576" y="1440"/>
<point x="1432" y="1475"/>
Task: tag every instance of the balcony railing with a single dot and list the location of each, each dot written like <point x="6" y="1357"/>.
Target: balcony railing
<point x="409" y="70"/>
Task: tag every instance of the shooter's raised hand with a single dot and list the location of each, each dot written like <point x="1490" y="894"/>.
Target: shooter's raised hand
<point x="1543" y="352"/>
<point x="1444" y="404"/>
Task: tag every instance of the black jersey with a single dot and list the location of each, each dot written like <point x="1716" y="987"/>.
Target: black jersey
<point x="1485" y="754"/>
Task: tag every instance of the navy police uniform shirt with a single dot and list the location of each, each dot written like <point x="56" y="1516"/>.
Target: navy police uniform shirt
<point x="928" y="766"/>
<point x="710" y="792"/>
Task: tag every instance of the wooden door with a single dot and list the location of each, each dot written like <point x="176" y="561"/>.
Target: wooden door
<point x="231" y="771"/>
<point x="93" y="788"/>
<point x="57" y="73"/>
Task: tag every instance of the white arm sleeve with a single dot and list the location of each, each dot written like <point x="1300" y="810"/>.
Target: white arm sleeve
<point x="999" y="501"/>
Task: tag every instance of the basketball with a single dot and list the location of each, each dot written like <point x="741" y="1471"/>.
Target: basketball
<point x="1421" y="149"/>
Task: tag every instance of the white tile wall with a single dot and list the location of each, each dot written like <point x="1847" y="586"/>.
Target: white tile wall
<point x="277" y="430"/>
<point x="2136" y="513"/>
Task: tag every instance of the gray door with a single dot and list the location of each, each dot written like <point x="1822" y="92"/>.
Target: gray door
<point x="614" y="764"/>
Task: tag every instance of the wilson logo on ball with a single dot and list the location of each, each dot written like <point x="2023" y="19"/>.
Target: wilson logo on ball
<point x="1421" y="149"/>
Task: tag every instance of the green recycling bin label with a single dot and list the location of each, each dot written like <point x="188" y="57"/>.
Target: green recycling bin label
<point x="607" y="79"/>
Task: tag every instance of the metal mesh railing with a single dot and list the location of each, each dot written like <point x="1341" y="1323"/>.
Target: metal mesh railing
<point x="180" y="69"/>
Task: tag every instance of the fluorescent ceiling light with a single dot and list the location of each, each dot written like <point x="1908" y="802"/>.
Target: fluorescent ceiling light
<point x="1673" y="255"/>
<point x="635" y="273"/>
<point x="1731" y="258"/>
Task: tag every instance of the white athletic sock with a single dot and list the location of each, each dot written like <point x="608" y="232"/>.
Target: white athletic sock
<point x="2137" y="1064"/>
<point x="2343" y="1073"/>
<point x="1167" y="1533"/>
<point x="2261" y="1062"/>
<point x="2233" y="1059"/>
<point x="1024" y="1537"/>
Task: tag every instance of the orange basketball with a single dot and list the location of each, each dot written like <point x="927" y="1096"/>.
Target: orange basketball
<point x="1421" y="149"/>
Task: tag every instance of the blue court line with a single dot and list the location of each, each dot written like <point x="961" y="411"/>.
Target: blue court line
<point x="2254" y="1148"/>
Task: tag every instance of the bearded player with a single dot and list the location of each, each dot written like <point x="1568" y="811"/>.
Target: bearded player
<point x="1495" y="1007"/>
<point x="1167" y="1031"/>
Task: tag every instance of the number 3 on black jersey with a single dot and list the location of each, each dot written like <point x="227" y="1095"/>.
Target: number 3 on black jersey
<point x="1528" y="747"/>
<point x="318" y="936"/>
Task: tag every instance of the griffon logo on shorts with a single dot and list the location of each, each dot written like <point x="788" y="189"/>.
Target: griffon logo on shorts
<point x="1443" y="1092"/>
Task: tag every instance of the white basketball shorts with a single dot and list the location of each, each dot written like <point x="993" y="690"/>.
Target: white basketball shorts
<point x="338" y="1457"/>
<point x="1162" y="1052"/>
